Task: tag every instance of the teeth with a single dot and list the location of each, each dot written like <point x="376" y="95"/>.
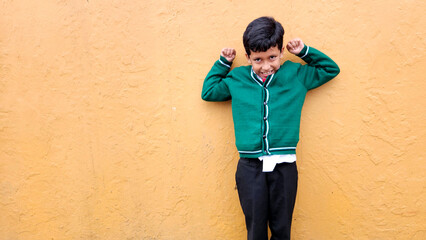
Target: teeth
<point x="267" y="73"/>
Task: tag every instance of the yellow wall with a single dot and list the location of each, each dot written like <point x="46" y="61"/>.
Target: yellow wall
<point x="103" y="134"/>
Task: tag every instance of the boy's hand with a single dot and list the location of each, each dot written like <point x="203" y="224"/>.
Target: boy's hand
<point x="229" y="54"/>
<point x="295" y="46"/>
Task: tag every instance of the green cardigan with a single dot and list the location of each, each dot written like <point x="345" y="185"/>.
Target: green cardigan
<point x="267" y="114"/>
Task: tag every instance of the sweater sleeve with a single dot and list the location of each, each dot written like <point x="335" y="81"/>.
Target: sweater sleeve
<point x="319" y="69"/>
<point x="214" y="87"/>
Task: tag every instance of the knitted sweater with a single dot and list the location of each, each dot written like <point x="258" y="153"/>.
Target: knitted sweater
<point x="267" y="114"/>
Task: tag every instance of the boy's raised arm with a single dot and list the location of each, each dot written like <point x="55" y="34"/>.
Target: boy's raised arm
<point x="319" y="69"/>
<point x="214" y="88"/>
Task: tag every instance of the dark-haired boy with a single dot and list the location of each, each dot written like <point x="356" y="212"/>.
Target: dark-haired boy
<point x="267" y="100"/>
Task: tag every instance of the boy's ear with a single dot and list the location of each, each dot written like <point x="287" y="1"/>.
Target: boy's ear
<point x="248" y="58"/>
<point x="282" y="53"/>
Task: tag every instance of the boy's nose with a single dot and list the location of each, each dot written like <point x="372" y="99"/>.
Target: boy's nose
<point x="266" y="67"/>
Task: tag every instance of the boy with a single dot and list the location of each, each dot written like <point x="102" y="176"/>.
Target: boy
<point x="267" y="100"/>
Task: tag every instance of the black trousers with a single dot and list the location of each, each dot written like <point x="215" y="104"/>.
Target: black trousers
<point x="267" y="198"/>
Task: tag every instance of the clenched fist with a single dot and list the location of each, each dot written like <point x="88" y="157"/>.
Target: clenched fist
<point x="229" y="54"/>
<point x="295" y="46"/>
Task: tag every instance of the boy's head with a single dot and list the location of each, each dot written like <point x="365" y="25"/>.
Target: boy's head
<point x="263" y="42"/>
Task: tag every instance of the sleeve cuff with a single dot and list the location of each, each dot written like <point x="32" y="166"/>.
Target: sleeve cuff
<point x="304" y="52"/>
<point x="225" y="62"/>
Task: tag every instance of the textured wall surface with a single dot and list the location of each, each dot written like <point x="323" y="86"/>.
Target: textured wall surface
<point x="103" y="134"/>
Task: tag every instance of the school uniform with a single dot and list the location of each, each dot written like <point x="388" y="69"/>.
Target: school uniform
<point x="266" y="117"/>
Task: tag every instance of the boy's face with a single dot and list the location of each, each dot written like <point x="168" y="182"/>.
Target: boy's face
<point x="265" y="63"/>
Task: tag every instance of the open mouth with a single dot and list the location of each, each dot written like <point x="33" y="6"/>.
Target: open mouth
<point x="265" y="74"/>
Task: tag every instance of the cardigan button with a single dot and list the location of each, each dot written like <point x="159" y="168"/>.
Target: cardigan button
<point x="265" y="118"/>
<point x="264" y="103"/>
<point x="264" y="136"/>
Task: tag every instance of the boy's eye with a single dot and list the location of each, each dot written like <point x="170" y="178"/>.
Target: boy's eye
<point x="257" y="60"/>
<point x="272" y="57"/>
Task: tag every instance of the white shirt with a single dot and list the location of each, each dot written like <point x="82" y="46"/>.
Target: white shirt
<point x="269" y="161"/>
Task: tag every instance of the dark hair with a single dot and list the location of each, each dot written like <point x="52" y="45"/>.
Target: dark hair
<point x="262" y="34"/>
